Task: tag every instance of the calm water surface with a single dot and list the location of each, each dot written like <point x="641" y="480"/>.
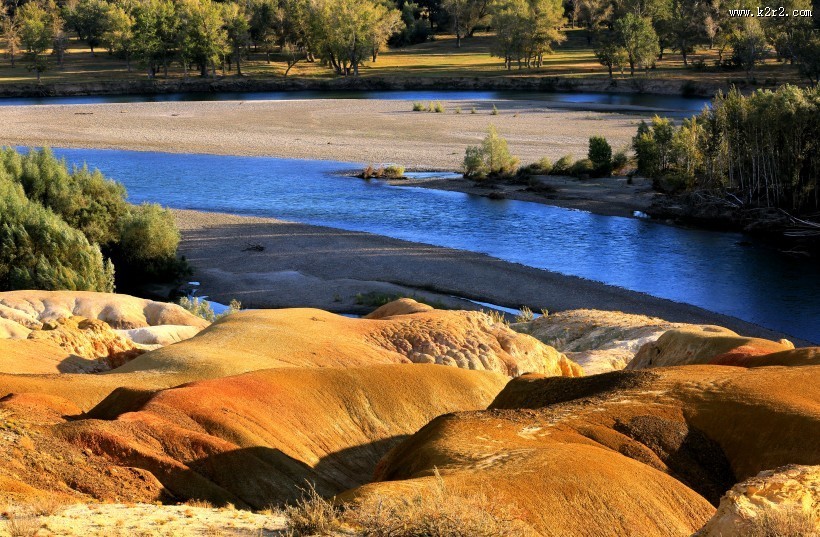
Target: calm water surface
<point x="673" y="104"/>
<point x="707" y="269"/>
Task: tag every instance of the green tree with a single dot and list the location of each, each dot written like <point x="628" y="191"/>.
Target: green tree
<point x="807" y="55"/>
<point x="203" y="38"/>
<point x="36" y="36"/>
<point x="157" y="34"/>
<point x="88" y="18"/>
<point x="609" y="52"/>
<point x="748" y="46"/>
<point x="600" y="154"/>
<point x="526" y="30"/>
<point x="10" y="31"/>
<point x="638" y="39"/>
<point x="237" y="26"/>
<point x="685" y="26"/>
<point x="491" y="158"/>
<point x="39" y="250"/>
<point x="119" y="35"/>
<point x="466" y="15"/>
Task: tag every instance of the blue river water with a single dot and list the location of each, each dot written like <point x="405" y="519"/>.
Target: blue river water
<point x="717" y="271"/>
<point x="671" y="105"/>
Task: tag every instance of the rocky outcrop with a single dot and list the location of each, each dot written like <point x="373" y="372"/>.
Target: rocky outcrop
<point x="637" y="452"/>
<point x="90" y="339"/>
<point x="784" y="501"/>
<point x="302" y="337"/>
<point x="704" y="345"/>
<point x="599" y="341"/>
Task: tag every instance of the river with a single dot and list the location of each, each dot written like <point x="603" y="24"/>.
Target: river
<point x="717" y="271"/>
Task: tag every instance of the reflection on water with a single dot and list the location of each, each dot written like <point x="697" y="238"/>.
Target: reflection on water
<point x="703" y="268"/>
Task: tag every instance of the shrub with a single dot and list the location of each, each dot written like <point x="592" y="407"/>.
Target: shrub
<point x="473" y="110"/>
<point x="492" y="158"/>
<point x="313" y="515"/>
<point x="525" y="315"/>
<point x="202" y="308"/>
<point x="458" y="110"/>
<point x="600" y="154"/>
<point x="562" y="166"/>
<point x="495" y="111"/>
<point x="620" y="160"/>
<point x="438" y="512"/>
<point x="439" y="108"/>
<point x="141" y="241"/>
<point x="582" y="168"/>
<point x="418" y="107"/>
<point x="39" y="250"/>
<point x="783" y="522"/>
<point x="148" y="244"/>
<point x="394" y="171"/>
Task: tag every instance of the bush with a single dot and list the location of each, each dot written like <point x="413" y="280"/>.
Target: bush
<point x="542" y="167"/>
<point x="492" y="158"/>
<point x="439" y="108"/>
<point x="39" y="250"/>
<point x="495" y="111"/>
<point x="313" y="515"/>
<point x="418" y="107"/>
<point x="394" y="171"/>
<point x="583" y="168"/>
<point x="61" y="225"/>
<point x="437" y="512"/>
<point x="620" y="160"/>
<point x="562" y="166"/>
<point x="600" y="154"/>
<point x="202" y="308"/>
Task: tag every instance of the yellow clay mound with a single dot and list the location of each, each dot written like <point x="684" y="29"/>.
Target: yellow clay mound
<point x="632" y="452"/>
<point x="32" y="308"/>
<point x="703" y="345"/>
<point x="263" y="339"/>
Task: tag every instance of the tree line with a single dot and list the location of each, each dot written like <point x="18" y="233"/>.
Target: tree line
<point x="637" y="33"/>
<point x="204" y="36"/>
<point x="763" y="149"/>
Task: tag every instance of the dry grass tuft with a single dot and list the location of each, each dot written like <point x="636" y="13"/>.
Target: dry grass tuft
<point x="22" y="525"/>
<point x="204" y="504"/>
<point x="312" y="515"/>
<point x="439" y="513"/>
<point x="791" y="522"/>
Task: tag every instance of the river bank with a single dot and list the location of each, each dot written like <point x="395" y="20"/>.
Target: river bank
<point x="268" y="263"/>
<point x="502" y="81"/>
<point x="356" y="131"/>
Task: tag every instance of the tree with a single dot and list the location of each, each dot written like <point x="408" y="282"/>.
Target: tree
<point x="202" y="35"/>
<point x="344" y="31"/>
<point x="266" y="25"/>
<point x="638" y="39"/>
<point x="491" y="158"/>
<point x="119" y="35"/>
<point x="10" y="30"/>
<point x="157" y="34"/>
<point x="36" y="36"/>
<point x="89" y="18"/>
<point x="386" y="22"/>
<point x="238" y="33"/>
<point x="748" y="46"/>
<point x="594" y="13"/>
<point x="526" y="30"/>
<point x="609" y="52"/>
<point x="807" y="55"/>
<point x="466" y="15"/>
<point x="684" y="26"/>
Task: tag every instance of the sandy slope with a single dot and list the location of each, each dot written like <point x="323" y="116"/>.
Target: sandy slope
<point x="330" y="129"/>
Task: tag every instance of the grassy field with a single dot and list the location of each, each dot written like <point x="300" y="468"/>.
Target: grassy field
<point x="574" y="58"/>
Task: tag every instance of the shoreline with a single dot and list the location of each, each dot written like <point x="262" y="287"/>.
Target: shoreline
<point x="501" y="82"/>
<point x="302" y="265"/>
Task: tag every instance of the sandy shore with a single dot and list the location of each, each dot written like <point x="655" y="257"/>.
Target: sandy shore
<point x="303" y="265"/>
<point x="365" y="131"/>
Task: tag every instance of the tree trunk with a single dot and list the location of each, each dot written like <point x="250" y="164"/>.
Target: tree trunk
<point x="610" y="70"/>
<point x="632" y="67"/>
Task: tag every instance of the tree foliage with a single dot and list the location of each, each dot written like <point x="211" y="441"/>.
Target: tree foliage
<point x="491" y="159"/>
<point x="67" y="229"/>
<point x="764" y="149"/>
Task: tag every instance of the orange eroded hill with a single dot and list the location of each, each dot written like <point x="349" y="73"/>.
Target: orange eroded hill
<point x="622" y="453"/>
<point x="253" y="439"/>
